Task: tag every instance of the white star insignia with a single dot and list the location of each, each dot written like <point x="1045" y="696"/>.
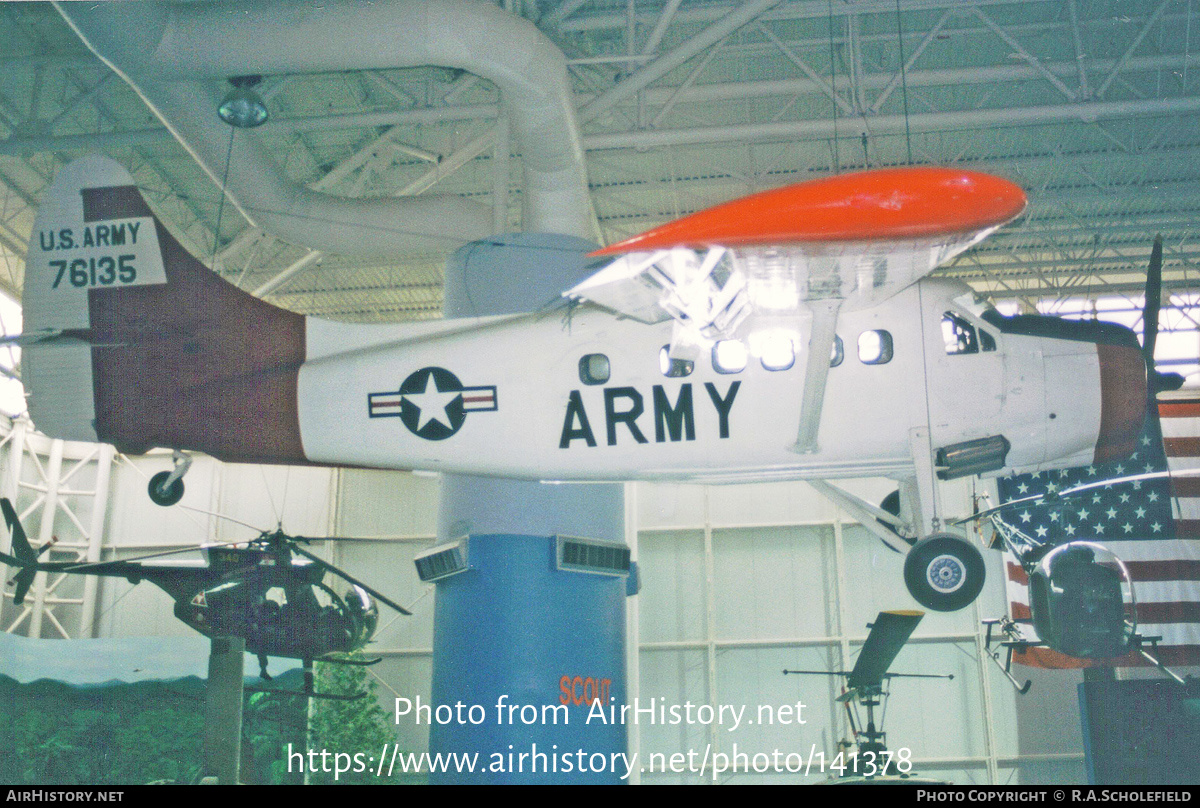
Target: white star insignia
<point x="432" y="403"/>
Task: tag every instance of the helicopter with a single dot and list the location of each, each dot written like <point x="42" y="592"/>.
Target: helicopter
<point x="268" y="591"/>
<point x="1082" y="601"/>
<point x="867" y="759"/>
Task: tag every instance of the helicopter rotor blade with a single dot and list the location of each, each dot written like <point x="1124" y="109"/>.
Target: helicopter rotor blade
<point x="84" y="567"/>
<point x="1042" y="499"/>
<point x="351" y="579"/>
<point x="255" y="528"/>
<point x="888" y="634"/>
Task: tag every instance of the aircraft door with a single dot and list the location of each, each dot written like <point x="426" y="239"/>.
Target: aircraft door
<point x="965" y="374"/>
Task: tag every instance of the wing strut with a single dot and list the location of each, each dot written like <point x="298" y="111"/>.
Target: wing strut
<point x="816" y="371"/>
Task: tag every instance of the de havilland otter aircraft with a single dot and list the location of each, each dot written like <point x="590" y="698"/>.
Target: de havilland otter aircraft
<point x="792" y="334"/>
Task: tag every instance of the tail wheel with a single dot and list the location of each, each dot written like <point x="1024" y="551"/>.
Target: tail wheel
<point x="163" y="495"/>
<point x="891" y="504"/>
<point x="944" y="573"/>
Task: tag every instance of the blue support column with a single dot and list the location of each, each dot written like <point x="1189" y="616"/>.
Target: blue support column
<point x="514" y="625"/>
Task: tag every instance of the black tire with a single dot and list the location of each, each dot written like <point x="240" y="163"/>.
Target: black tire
<point x="944" y="573"/>
<point x="168" y="496"/>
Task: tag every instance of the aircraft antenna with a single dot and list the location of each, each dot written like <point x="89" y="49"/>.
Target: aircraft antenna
<point x="837" y="163"/>
<point x="903" y="82"/>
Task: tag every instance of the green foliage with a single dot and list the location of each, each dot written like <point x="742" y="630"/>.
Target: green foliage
<point x="270" y="722"/>
<point x="126" y="734"/>
<point x="351" y="727"/>
<point x="55" y="734"/>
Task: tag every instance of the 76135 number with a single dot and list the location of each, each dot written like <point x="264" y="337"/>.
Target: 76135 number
<point x="103" y="271"/>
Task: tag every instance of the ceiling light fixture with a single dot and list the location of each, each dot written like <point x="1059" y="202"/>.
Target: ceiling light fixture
<point x="242" y="107"/>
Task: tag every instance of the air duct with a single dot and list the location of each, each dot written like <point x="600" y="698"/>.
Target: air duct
<point x="174" y="55"/>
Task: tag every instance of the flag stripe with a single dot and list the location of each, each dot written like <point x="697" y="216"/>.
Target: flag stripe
<point x="1151" y="613"/>
<point x="1185" y="487"/>
<point x="1182" y="447"/>
<point x="1170" y="655"/>
<point x="1164" y="570"/>
<point x="1179" y="409"/>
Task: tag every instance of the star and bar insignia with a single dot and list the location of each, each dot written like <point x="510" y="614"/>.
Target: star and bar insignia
<point x="432" y="403"/>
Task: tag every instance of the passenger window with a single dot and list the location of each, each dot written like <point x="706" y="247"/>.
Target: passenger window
<point x="778" y="352"/>
<point x="674" y="368"/>
<point x="959" y="335"/>
<point x="594" y="369"/>
<point x="729" y="356"/>
<point x="875" y="347"/>
<point x="839" y="352"/>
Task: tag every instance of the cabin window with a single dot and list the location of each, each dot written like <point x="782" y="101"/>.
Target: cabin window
<point x="838" y="353"/>
<point x="986" y="340"/>
<point x="674" y="368"/>
<point x="875" y="347"/>
<point x="778" y="352"/>
<point x="594" y="369"/>
<point x="959" y="335"/>
<point x="729" y="356"/>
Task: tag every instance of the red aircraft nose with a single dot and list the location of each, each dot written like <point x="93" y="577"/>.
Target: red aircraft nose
<point x="1122" y="400"/>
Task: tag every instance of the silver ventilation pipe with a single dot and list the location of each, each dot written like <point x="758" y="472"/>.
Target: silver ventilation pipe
<point x="173" y="55"/>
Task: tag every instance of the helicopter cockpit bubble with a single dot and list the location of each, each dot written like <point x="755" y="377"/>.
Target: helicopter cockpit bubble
<point x="1082" y="601"/>
<point x="365" y="613"/>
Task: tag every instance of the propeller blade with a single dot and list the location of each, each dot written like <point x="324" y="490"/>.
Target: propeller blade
<point x="1153" y="303"/>
<point x="888" y="635"/>
<point x="350" y="579"/>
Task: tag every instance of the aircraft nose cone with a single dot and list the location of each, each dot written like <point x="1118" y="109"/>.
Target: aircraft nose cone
<point x="1122" y="400"/>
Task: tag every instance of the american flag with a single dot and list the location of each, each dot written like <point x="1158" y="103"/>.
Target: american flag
<point x="1151" y="525"/>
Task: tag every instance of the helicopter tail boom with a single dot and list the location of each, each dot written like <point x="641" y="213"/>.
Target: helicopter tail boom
<point x="26" y="557"/>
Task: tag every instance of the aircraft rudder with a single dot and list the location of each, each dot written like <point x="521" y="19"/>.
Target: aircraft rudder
<point x="93" y="231"/>
<point x="149" y="347"/>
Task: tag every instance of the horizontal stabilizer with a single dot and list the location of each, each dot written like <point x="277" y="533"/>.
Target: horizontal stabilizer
<point x="888" y="635"/>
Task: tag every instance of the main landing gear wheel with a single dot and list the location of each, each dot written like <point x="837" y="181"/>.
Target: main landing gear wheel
<point x="944" y="573"/>
<point x="163" y="494"/>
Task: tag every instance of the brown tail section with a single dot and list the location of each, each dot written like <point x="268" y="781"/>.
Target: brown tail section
<point x="195" y="363"/>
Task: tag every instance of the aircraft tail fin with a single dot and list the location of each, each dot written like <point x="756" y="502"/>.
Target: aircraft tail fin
<point x="149" y="347"/>
<point x="25" y="558"/>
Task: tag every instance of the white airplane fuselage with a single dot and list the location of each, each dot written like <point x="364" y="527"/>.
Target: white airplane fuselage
<point x="525" y="409"/>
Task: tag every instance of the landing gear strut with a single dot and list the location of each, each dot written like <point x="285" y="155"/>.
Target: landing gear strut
<point x="166" y="487"/>
<point x="944" y="572"/>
